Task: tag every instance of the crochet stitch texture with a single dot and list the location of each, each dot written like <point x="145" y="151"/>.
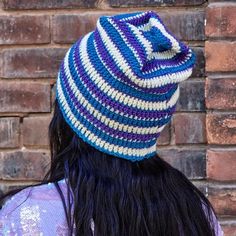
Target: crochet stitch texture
<point x="118" y="85"/>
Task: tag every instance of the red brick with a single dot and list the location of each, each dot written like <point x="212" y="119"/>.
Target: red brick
<point x="164" y="138"/>
<point x="145" y="3"/>
<point x="24" y="97"/>
<point x="48" y="4"/>
<point x="23" y="165"/>
<point x="189" y="128"/>
<point x="221" y="93"/>
<point x="189" y="161"/>
<point x="199" y="67"/>
<point x="192" y="97"/>
<point x="229" y="229"/>
<point x="68" y="28"/>
<point x="221" y="128"/>
<point x="221" y="164"/>
<point x="31" y="62"/>
<point x="185" y="25"/>
<point x="221" y="21"/>
<point x="220" y="56"/>
<point x="24" y="29"/>
<point x="223" y="200"/>
<point x="35" y="131"/>
<point x="9" y="132"/>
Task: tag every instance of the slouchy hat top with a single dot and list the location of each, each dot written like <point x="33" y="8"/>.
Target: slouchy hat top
<point x="118" y="85"/>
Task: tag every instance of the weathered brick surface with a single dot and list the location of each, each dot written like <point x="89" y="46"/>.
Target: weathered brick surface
<point x="199" y="67"/>
<point x="143" y="3"/>
<point x="186" y="25"/>
<point x="229" y="229"/>
<point x="221" y="94"/>
<point x="164" y="138"/>
<point x="223" y="200"/>
<point x="220" y="56"/>
<point x="220" y="51"/>
<point x="35" y="131"/>
<point x="9" y="132"/>
<point x="190" y="161"/>
<point x="68" y="28"/>
<point x="48" y="4"/>
<point x="18" y="165"/>
<point x="31" y="62"/>
<point x="221" y="20"/>
<point x="24" y="97"/>
<point x="24" y="29"/>
<point x="191" y="96"/>
<point x="221" y="128"/>
<point x="189" y="128"/>
<point x="221" y="164"/>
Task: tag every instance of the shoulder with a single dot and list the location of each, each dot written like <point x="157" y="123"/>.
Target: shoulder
<point x="32" y="210"/>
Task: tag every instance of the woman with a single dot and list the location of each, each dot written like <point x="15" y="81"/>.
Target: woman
<point x="116" y="90"/>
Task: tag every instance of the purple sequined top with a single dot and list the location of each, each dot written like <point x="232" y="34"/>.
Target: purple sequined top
<point x="38" y="211"/>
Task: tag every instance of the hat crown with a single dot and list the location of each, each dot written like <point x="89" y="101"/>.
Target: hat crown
<point x="144" y="46"/>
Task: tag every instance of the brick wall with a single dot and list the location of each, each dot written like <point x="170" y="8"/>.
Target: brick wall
<point x="201" y="139"/>
<point x="220" y="93"/>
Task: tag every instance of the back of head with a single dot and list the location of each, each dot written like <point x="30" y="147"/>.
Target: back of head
<point x="114" y="196"/>
<point x="117" y="89"/>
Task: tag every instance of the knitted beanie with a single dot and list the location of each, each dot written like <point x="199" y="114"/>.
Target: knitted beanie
<point x="117" y="86"/>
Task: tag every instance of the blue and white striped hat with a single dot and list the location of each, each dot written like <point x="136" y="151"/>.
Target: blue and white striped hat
<point x="118" y="85"/>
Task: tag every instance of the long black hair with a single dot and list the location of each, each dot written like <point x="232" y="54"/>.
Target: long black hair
<point x="123" y="198"/>
<point x="110" y="196"/>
